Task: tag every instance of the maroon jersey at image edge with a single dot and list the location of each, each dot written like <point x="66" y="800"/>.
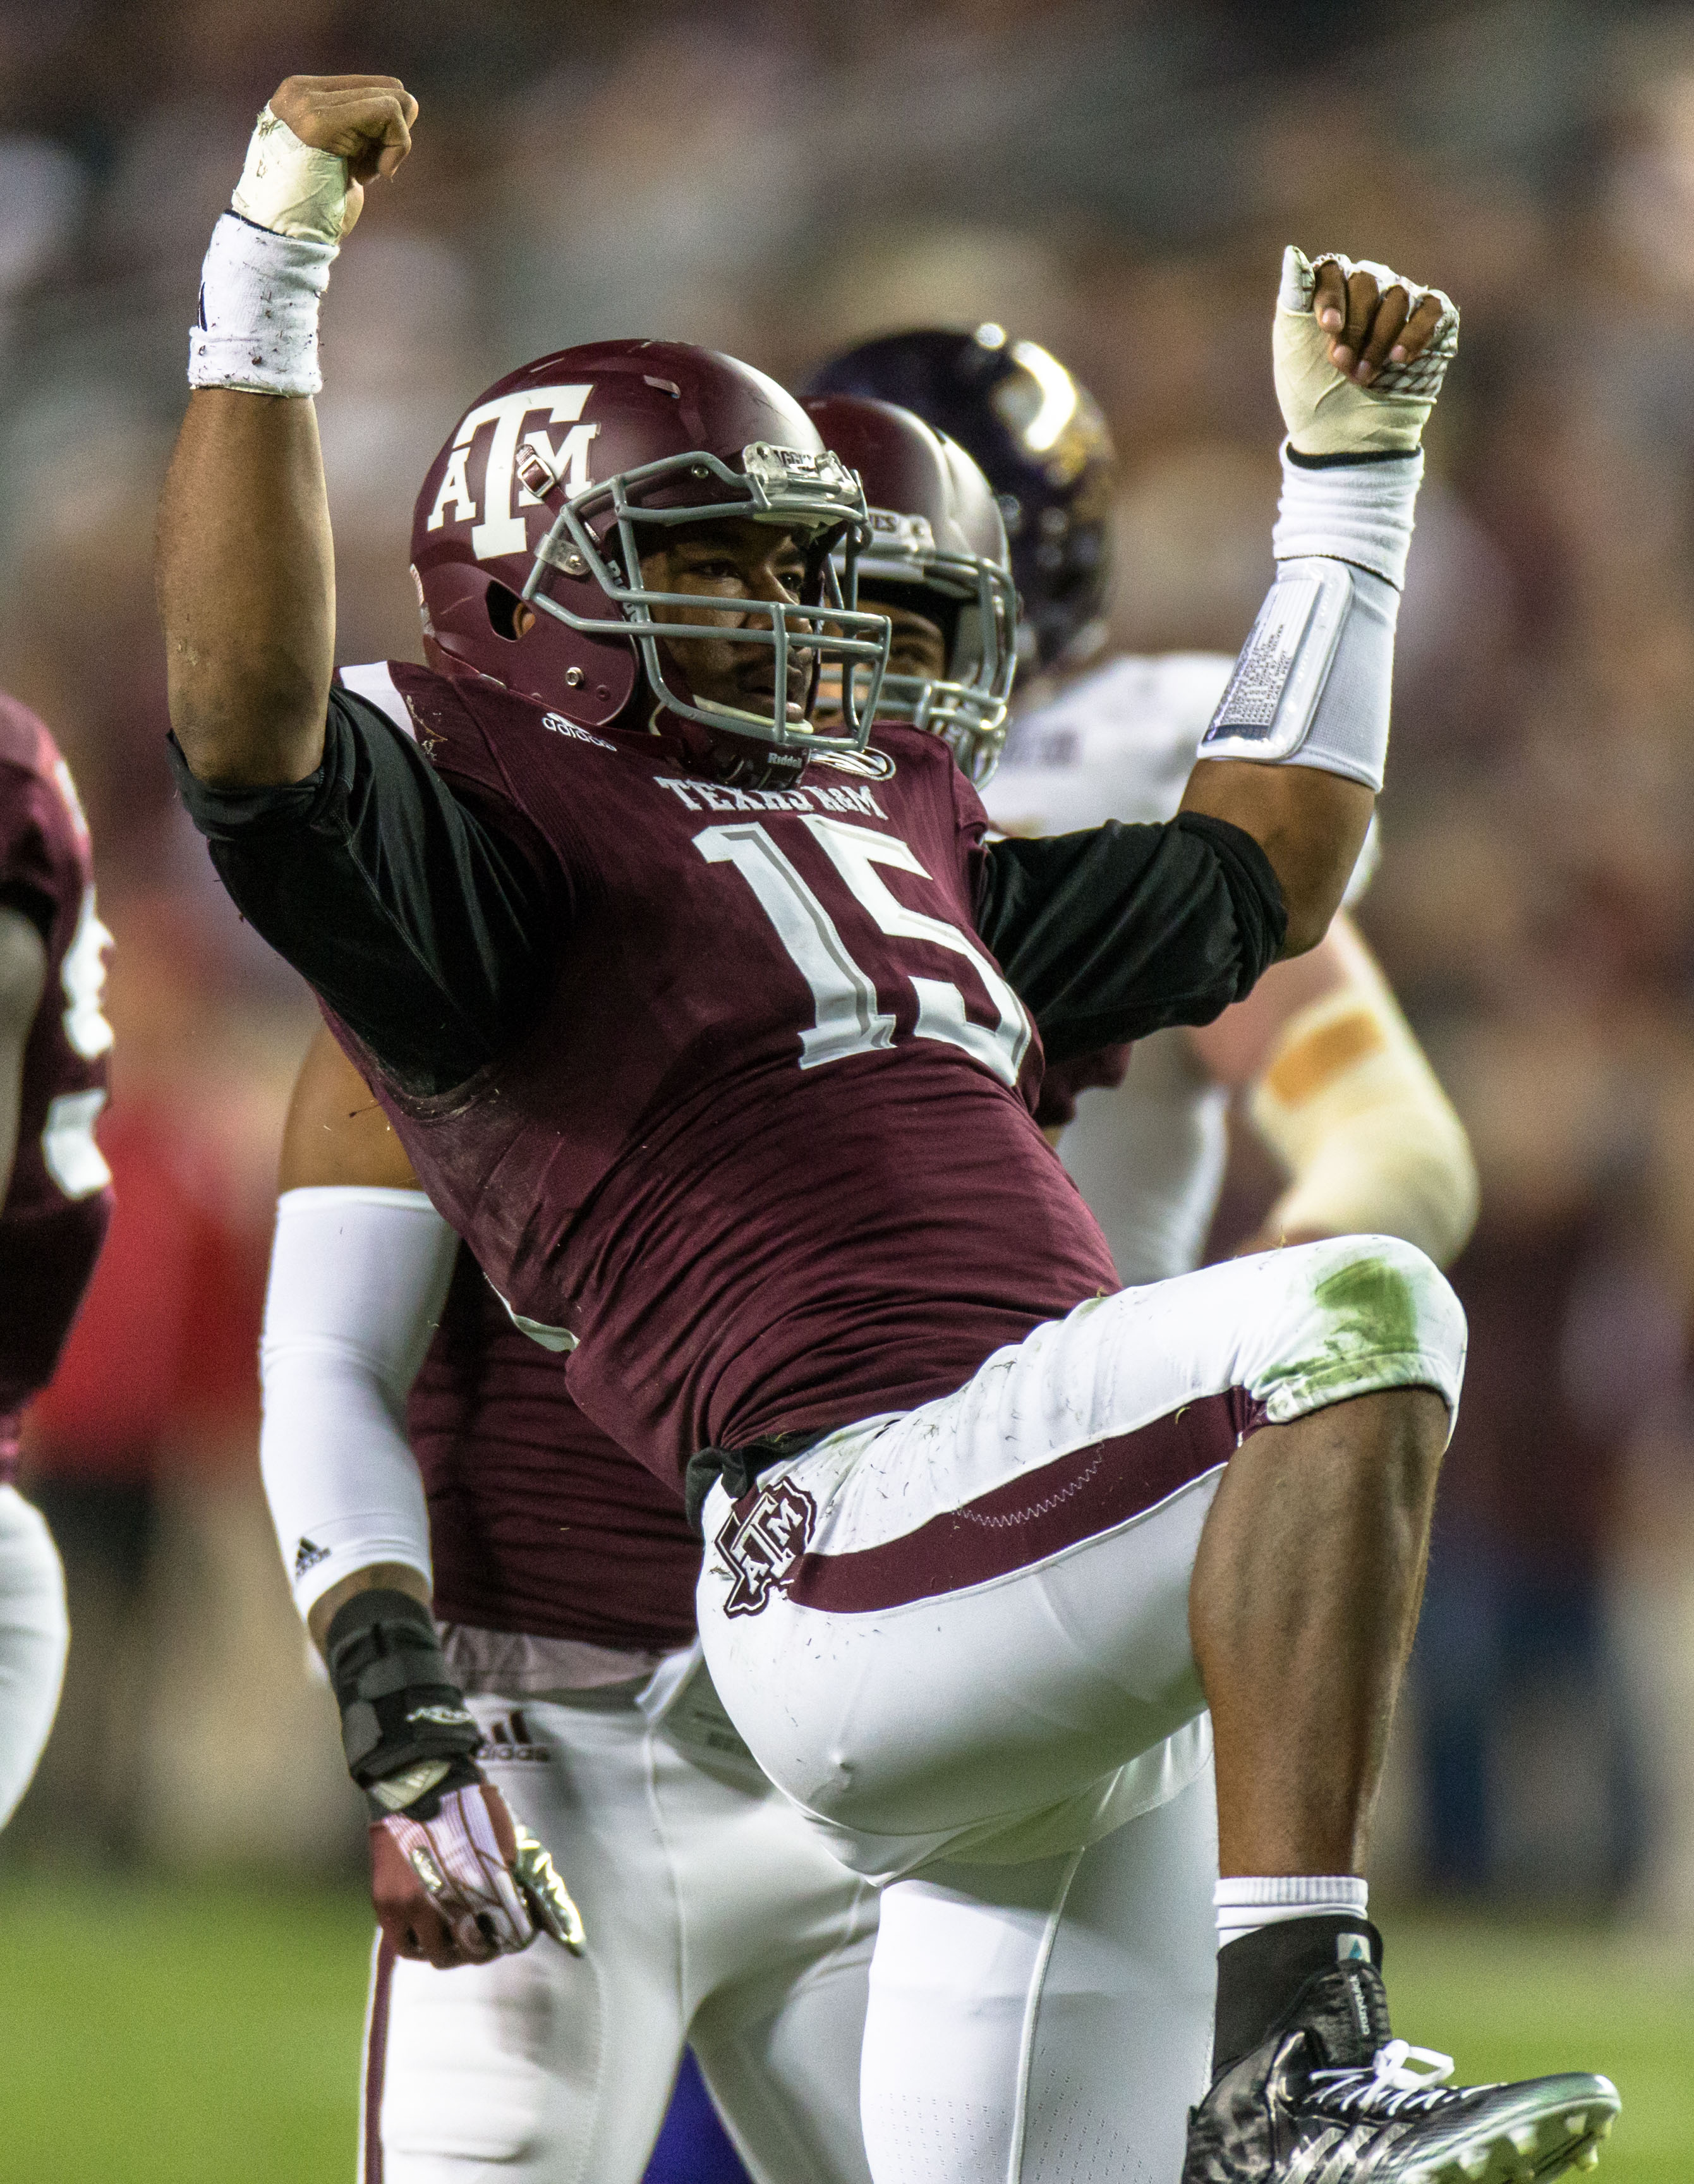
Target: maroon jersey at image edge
<point x="538" y="1524"/>
<point x="54" y="1215"/>
<point x="766" y="1150"/>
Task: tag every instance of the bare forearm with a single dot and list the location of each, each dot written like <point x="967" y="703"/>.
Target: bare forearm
<point x="247" y="588"/>
<point x="1311" y="825"/>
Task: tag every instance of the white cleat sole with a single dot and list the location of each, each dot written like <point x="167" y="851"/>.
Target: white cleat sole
<point x="1532" y="2152"/>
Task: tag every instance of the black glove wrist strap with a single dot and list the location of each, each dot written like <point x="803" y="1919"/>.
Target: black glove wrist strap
<point x="398" y="1703"/>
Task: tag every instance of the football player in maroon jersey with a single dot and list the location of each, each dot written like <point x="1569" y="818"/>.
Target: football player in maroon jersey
<point x="695" y="1018"/>
<point x="55" y="1189"/>
<point x="563" y="1576"/>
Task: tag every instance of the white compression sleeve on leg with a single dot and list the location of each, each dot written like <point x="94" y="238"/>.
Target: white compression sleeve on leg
<point x="357" y="1279"/>
<point x="35" y="1637"/>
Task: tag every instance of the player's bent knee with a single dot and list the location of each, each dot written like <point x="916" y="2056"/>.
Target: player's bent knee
<point x="1362" y="1315"/>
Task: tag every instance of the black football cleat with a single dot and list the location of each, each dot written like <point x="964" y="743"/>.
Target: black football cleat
<point x="1329" y="2098"/>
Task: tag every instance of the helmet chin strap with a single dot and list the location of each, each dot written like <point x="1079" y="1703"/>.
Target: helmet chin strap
<point x="738" y="761"/>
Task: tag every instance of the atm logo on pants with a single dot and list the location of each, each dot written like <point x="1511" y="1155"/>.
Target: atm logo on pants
<point x="762" y="1540"/>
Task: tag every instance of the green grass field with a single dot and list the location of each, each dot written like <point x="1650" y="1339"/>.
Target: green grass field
<point x="178" y="2034"/>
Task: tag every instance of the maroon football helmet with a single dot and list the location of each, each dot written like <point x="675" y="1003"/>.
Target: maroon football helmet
<point x="554" y="479"/>
<point x="937" y="536"/>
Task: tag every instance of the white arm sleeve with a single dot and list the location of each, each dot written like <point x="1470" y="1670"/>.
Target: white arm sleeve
<point x="1312" y="685"/>
<point x="357" y="1279"/>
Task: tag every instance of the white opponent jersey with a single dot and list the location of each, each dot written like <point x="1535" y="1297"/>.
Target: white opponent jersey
<point x="1149" y="1153"/>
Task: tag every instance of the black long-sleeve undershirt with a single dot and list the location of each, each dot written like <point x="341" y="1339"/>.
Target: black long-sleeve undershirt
<point x="427" y="921"/>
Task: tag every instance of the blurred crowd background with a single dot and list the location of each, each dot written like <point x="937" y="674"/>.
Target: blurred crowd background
<point x="1116" y="180"/>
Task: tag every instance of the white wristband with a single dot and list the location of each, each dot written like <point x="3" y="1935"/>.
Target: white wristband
<point x="258" y="324"/>
<point x="1356" y="512"/>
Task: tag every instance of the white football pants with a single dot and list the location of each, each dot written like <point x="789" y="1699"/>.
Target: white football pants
<point x="35" y="1637"/>
<point x="958" y="1638"/>
<point x="1087" y="1982"/>
<point x="714" y="1916"/>
<point x="961" y="1632"/>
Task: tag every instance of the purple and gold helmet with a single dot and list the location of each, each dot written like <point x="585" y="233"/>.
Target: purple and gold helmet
<point x="1040" y="441"/>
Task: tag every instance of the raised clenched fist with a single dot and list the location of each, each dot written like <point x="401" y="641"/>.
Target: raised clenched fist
<point x="319" y="141"/>
<point x="1372" y="318"/>
<point x="1360" y="352"/>
<point x="365" y="119"/>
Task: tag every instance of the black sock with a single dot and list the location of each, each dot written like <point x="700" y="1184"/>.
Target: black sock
<point x="1260" y="1977"/>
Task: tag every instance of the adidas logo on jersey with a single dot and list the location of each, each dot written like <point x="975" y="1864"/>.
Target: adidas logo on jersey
<point x="308" y="1557"/>
<point x="560" y="726"/>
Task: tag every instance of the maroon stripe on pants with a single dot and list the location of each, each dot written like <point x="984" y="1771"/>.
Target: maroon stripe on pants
<point x="1040" y="1512"/>
<point x="376" y="2060"/>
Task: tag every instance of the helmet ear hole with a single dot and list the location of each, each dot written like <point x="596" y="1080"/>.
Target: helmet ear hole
<point x="503" y="605"/>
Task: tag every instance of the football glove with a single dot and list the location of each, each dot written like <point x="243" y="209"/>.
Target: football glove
<point x="453" y="1877"/>
<point x="467" y="1884"/>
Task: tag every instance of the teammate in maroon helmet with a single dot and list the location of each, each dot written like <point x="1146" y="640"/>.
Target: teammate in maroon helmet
<point x="562" y="1575"/>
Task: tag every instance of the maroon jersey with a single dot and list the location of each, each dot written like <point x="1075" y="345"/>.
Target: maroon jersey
<point x="538" y="1524"/>
<point x="59" y="1201"/>
<point x="766" y="1150"/>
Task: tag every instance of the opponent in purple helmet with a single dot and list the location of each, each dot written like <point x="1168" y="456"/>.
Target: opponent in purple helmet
<point x="938" y="565"/>
<point x="1043" y="445"/>
<point x="545" y="514"/>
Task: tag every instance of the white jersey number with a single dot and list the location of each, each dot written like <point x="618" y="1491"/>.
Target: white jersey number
<point x="83" y="977"/>
<point x="847" y="1019"/>
<point x="72" y="1158"/>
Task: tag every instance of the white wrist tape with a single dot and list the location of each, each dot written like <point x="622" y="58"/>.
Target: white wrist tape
<point x="1328" y="414"/>
<point x="292" y="188"/>
<point x="357" y="1279"/>
<point x="1350" y="1106"/>
<point x="257" y="322"/>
